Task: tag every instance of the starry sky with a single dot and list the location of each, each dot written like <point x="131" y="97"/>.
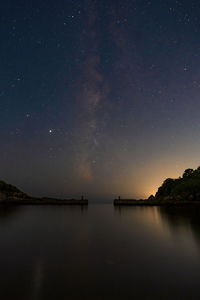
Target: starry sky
<point x="100" y="98"/>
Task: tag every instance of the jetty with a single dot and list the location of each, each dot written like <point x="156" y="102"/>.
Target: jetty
<point x="155" y="202"/>
<point x="43" y="201"/>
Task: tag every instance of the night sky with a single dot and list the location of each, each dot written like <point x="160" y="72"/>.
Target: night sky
<point x="100" y="98"/>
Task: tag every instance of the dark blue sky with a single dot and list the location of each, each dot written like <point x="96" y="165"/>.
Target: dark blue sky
<point x="98" y="97"/>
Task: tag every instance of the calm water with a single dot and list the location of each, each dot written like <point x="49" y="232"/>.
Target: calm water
<point x="99" y="252"/>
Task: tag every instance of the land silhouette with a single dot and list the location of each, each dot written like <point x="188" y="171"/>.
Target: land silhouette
<point x="180" y="191"/>
<point x="185" y="187"/>
<point x="10" y="194"/>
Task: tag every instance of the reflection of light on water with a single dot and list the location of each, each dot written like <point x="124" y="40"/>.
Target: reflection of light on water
<point x="151" y="224"/>
<point x="181" y="232"/>
<point x="38" y="280"/>
<point x="141" y="217"/>
<point x="156" y="216"/>
<point x="151" y="217"/>
<point x="183" y="237"/>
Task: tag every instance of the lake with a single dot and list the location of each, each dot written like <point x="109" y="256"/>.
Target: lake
<point x="99" y="252"/>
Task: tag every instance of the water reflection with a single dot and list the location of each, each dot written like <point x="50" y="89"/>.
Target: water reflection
<point x="41" y="247"/>
<point x="182" y="218"/>
<point x="38" y="280"/>
<point x="99" y="252"/>
<point x="8" y="211"/>
<point x="141" y="215"/>
<point x="166" y="248"/>
<point x="176" y="218"/>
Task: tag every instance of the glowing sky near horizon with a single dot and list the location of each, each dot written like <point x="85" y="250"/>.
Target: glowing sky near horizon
<point x="99" y="98"/>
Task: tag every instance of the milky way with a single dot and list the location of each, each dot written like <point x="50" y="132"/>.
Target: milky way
<point x="98" y="97"/>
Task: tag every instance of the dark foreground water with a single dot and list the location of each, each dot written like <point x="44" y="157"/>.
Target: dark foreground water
<point x="99" y="252"/>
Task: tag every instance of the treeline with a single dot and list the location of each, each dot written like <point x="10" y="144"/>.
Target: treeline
<point x="187" y="186"/>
